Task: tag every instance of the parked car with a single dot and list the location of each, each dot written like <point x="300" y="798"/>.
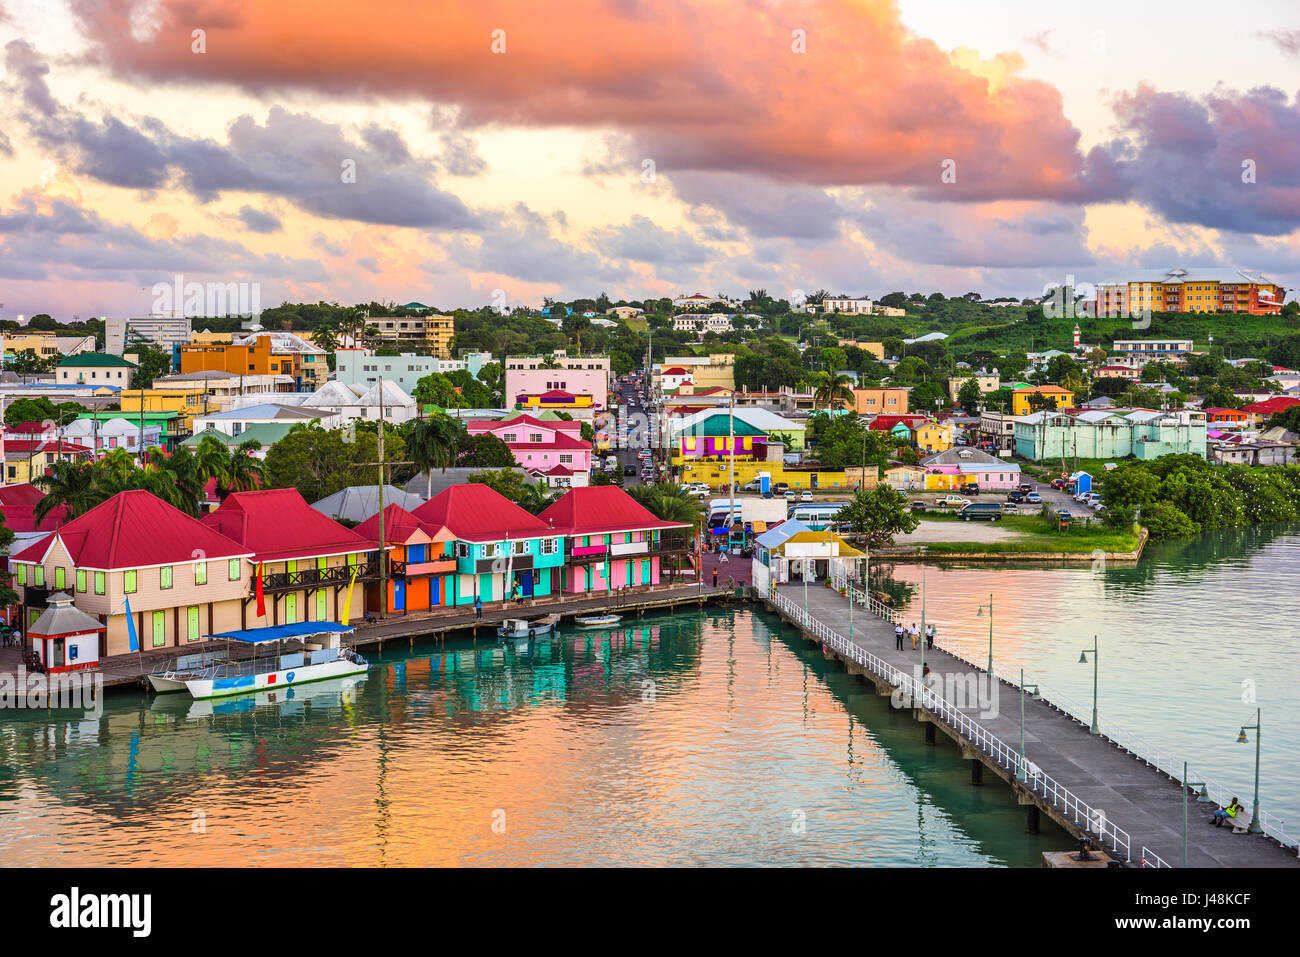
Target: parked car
<point x="918" y="506"/>
<point x="970" y="488"/>
<point x="1015" y="495"/>
<point x="1010" y="508"/>
<point x="1097" y="504"/>
<point x="1059" y="484"/>
<point x="1033" y="498"/>
<point x="750" y="486"/>
<point x="789" y="495"/>
<point x="1025" y="487"/>
<point x="629" y="470"/>
<point x="781" y="487"/>
<point x="805" y="496"/>
<point x="949" y="501"/>
<point x="1064" y="513"/>
<point x="989" y="511"/>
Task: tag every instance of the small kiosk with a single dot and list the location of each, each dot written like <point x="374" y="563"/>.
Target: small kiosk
<point x="65" y="638"/>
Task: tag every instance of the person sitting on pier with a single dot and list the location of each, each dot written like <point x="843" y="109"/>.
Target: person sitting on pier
<point x="1226" y="813"/>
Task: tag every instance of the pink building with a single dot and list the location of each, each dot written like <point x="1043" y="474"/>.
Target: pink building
<point x="570" y="390"/>
<point x="552" y="450"/>
<point x="611" y="541"/>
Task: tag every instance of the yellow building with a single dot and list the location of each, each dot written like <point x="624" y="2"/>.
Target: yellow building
<point x="715" y="472"/>
<point x="186" y="403"/>
<point x="433" y="331"/>
<point x="932" y="437"/>
<point x="876" y="349"/>
<point x="718" y="370"/>
<point x="1210" y="289"/>
<point x="1062" y="398"/>
<point x="211" y="338"/>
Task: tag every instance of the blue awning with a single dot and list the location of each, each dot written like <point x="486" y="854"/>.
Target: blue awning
<point x="303" y="629"/>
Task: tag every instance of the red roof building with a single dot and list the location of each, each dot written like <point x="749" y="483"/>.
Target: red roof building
<point x="180" y="578"/>
<point x="308" y="562"/>
<point x="1258" y="412"/>
<point x="1220" y="414"/>
<point x="421" y="561"/>
<point x="555" y="450"/>
<point x="475" y="513"/>
<point x="18" y="506"/>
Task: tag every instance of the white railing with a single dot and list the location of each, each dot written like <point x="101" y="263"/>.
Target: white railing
<point x="1088" y="819"/>
<point x="1151" y="859"/>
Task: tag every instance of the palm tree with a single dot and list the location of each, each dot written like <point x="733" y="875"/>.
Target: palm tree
<point x="72" y="485"/>
<point x="832" y="390"/>
<point x="432" y="444"/>
<point x="245" y="472"/>
<point x="535" y="498"/>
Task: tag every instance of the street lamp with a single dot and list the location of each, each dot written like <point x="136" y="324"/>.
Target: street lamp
<point x="1083" y="660"/>
<point x="980" y="614"/>
<point x="1203" y="797"/>
<point x="1254" y="826"/>
<point x="1021" y="774"/>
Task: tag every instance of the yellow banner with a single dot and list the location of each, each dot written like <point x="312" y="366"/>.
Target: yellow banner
<point x="347" y="602"/>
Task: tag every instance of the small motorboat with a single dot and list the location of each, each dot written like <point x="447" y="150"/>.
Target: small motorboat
<point x="523" y="628"/>
<point x="597" y="621"/>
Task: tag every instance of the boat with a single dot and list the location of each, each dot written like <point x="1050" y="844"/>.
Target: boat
<point x="597" y="621"/>
<point x="220" y="674"/>
<point x="523" y="628"/>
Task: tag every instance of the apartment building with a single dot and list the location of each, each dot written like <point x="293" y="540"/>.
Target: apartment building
<point x="1148" y="350"/>
<point x="94" y="368"/>
<point x="433" y="331"/>
<point x="1199" y="289"/>
<point x="861" y="307"/>
<point x="162" y="332"/>
<point x="878" y="401"/>
<point x="45" y="344"/>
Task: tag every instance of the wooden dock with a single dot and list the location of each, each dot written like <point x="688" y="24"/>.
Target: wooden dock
<point x="1086" y="783"/>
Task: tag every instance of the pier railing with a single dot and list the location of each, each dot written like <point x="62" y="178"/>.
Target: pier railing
<point x="974" y="653"/>
<point x="1088" y="819"/>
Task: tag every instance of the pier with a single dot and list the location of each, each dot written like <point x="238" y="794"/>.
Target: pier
<point x="1099" y="786"/>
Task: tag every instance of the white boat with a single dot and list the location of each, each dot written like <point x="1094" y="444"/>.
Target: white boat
<point x="523" y="628"/>
<point x="219" y="674"/>
<point x="597" y="621"/>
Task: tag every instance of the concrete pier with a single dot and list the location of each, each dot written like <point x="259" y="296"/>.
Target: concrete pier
<point x="1071" y="768"/>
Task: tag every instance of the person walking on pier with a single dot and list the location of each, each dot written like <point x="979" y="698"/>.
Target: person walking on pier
<point x="929" y="636"/>
<point x="916" y="635"/>
<point x="898" y="636"/>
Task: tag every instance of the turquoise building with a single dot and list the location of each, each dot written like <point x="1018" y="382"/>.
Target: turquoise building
<point x="1106" y="434"/>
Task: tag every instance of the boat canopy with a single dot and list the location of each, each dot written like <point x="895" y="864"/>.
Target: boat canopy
<point x="303" y="629"/>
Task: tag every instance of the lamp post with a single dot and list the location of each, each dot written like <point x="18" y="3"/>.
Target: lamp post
<point x="1021" y="775"/>
<point x="1185" y="785"/>
<point x="979" y="614"/>
<point x="922" y="641"/>
<point x="1254" y="826"/>
<point x="1083" y="660"/>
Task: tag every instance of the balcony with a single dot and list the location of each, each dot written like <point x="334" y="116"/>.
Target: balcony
<point x="399" y="569"/>
<point x="315" y="577"/>
<point x="668" y="545"/>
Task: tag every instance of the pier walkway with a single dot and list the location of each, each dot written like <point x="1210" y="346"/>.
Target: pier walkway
<point x="1095" y="785"/>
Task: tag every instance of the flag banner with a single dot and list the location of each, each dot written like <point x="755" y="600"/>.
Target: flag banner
<point x="347" y="602"/>
<point x="261" y="597"/>
<point x="130" y="627"/>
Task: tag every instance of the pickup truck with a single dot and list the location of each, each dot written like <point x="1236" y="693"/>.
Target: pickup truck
<point x="949" y="501"/>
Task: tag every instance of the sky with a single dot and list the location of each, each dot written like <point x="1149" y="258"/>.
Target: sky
<point x="505" y="150"/>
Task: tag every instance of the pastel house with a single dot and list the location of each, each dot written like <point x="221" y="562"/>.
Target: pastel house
<point x="971" y="465"/>
<point x="181" y="578"/>
<point x="500" y="549"/>
<point x="567" y="389"/>
<point x="306" y="562"/>
<point x="421" y="562"/>
<point x="613" y="541"/>
<point x="552" y="449"/>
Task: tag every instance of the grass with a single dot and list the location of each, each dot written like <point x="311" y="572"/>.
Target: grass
<point x="1036" y="534"/>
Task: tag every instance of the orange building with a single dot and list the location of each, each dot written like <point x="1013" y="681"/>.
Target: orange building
<point x="420" y="562"/>
<point x="253" y="359"/>
<point x="1189" y="290"/>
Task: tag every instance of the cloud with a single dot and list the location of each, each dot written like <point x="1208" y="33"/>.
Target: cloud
<point x="1193" y="159"/>
<point x="313" y="164"/>
<point x="698" y="89"/>
<point x="256" y="221"/>
<point x="1288" y="41"/>
<point x="522" y="245"/>
<point x="643" y="241"/>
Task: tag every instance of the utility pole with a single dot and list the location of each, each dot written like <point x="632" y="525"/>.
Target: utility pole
<point x="383" y="550"/>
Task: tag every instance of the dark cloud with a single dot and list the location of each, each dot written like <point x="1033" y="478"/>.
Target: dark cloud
<point x="1190" y="159"/>
<point x="522" y="244"/>
<point x="642" y="240"/>
<point x="311" y="163"/>
<point x="760" y="206"/>
<point x="256" y="221"/>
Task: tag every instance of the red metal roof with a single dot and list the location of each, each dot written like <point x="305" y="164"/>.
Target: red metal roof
<point x="18" y="506"/>
<point x="598" y="509"/>
<point x="277" y="524"/>
<point x="1269" y="406"/>
<point x="399" y="526"/>
<point x="562" y="441"/>
<point x="135" y="530"/>
<point x="476" y="513"/>
<point x="493" y="425"/>
<point x="675" y="370"/>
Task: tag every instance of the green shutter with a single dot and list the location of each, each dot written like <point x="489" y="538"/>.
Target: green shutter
<point x="22" y="574"/>
<point x="159" y="629"/>
<point x="60" y="578"/>
<point x="128" y="582"/>
<point x="193" y="623"/>
<point x="40" y="576"/>
<point x="81" y="579"/>
<point x="322" y="612"/>
<point x="165" y="576"/>
<point x="99" y="583"/>
<point x="234" y="569"/>
<point x="200" y="573"/>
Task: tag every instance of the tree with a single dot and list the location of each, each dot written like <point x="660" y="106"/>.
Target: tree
<point x="832" y="391"/>
<point x="432" y="444"/>
<point x="969" y="395"/>
<point x="536" y="498"/>
<point x="506" y="482"/>
<point x="668" y="503"/>
<point x="39" y="409"/>
<point x="151" y="363"/>
<point x="878" y="514"/>
<point x="71" y="484"/>
<point x="1040" y="403"/>
<point x="483" y="451"/>
<point x="437" y="389"/>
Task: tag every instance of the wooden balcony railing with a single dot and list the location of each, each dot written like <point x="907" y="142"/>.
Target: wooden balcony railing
<point x="669" y="545"/>
<point x="315" y="577"/>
